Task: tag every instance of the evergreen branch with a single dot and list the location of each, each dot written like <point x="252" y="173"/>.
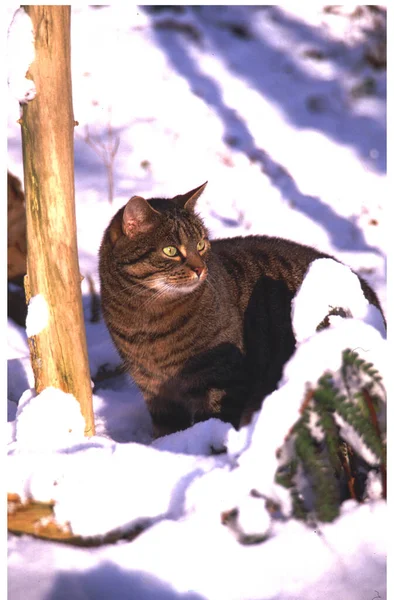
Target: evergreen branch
<point x="351" y="358"/>
<point x="352" y="414"/>
<point x="322" y="476"/>
<point x="285" y="477"/>
<point x="332" y="439"/>
<point x="327" y="446"/>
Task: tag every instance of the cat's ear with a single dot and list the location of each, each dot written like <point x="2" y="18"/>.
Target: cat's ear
<point x="138" y="216"/>
<point x="189" y="199"/>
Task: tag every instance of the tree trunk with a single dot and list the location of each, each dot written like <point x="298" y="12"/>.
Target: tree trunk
<point x="58" y="352"/>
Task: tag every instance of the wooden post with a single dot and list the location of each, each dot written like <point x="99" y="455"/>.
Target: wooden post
<point x="58" y="352"/>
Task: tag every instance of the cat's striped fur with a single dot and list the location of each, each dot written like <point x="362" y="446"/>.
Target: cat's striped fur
<point x="205" y="332"/>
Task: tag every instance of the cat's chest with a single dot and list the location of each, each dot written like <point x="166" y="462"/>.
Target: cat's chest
<point x="169" y="338"/>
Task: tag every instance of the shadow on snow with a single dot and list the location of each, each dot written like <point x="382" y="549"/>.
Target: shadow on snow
<point x="344" y="234"/>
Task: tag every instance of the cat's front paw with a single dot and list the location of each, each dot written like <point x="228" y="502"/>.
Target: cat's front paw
<point x="168" y="416"/>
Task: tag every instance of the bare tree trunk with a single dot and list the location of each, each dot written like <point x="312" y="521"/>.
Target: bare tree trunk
<point x="59" y="351"/>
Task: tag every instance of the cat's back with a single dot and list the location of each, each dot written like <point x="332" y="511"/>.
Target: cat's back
<point x="256" y="257"/>
<point x="265" y="244"/>
<point x="261" y="255"/>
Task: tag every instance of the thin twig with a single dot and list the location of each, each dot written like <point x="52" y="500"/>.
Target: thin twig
<point x="375" y="423"/>
<point x="344" y="451"/>
<point x="106" y="151"/>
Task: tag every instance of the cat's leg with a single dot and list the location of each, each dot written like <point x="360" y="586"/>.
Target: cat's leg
<point x="169" y="413"/>
<point x="269" y="341"/>
<point x="211" y="385"/>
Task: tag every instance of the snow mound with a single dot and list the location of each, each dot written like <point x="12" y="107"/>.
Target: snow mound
<point x="49" y="420"/>
<point x="329" y="286"/>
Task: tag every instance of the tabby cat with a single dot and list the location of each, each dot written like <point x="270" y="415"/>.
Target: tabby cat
<point x="203" y="326"/>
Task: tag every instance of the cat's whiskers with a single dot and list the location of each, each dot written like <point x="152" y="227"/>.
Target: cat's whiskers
<point x="143" y="286"/>
<point x="163" y="288"/>
<point x="208" y="281"/>
<point x="156" y="295"/>
<point x="125" y="288"/>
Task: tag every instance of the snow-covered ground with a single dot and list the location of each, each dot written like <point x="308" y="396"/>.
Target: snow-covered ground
<point x="279" y="109"/>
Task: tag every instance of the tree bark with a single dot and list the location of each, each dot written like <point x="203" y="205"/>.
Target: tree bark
<point x="59" y="352"/>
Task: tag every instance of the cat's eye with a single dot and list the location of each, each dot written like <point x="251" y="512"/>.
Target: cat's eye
<point x="170" y="251"/>
<point x="201" y="246"/>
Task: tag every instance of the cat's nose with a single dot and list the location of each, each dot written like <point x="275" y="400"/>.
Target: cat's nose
<point x="198" y="270"/>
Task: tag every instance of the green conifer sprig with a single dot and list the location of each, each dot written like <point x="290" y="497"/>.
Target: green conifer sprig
<point x="351" y="358"/>
<point x="369" y="415"/>
<point x="285" y="476"/>
<point x="355" y="397"/>
<point x="353" y="415"/>
<point x="320" y="473"/>
<point x="327" y="423"/>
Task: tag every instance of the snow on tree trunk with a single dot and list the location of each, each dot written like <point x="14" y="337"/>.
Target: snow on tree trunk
<point x="58" y="348"/>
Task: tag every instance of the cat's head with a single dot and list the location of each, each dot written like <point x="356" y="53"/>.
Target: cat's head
<point x="161" y="244"/>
